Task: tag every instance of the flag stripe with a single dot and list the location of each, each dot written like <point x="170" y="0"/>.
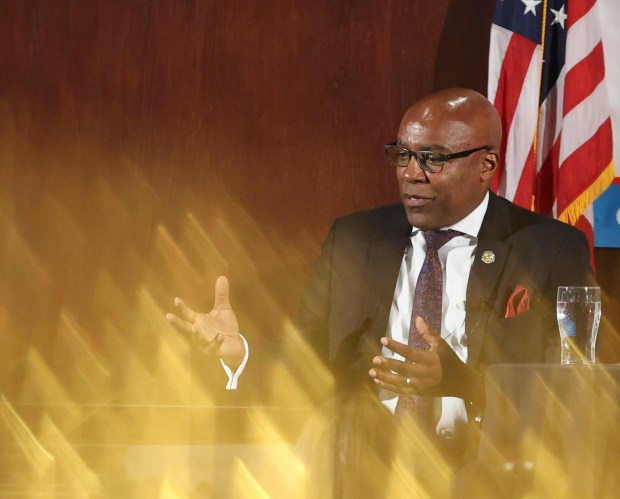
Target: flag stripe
<point x="550" y="120"/>
<point x="520" y="137"/>
<point x="584" y="77"/>
<point x="583" y="38"/>
<point x="525" y="187"/>
<point x="577" y="9"/>
<point x="574" y="182"/>
<point x="521" y="64"/>
<point x="500" y="39"/>
<point x="517" y="61"/>
<point x="585" y="226"/>
<point x="584" y="120"/>
<point x="546" y="185"/>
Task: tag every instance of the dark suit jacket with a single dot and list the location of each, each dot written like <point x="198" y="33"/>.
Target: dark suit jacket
<point x="346" y="309"/>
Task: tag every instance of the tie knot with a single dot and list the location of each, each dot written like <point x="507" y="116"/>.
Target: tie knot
<point x="435" y="239"/>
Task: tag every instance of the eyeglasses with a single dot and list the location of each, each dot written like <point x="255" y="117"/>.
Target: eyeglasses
<point x="429" y="161"/>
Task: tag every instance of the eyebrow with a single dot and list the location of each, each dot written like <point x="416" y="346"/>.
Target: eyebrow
<point x="426" y="147"/>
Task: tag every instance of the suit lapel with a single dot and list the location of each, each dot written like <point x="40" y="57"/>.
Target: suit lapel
<point x="490" y="259"/>
<point x="386" y="254"/>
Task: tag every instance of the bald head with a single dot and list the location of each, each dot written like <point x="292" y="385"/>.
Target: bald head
<point x="474" y="114"/>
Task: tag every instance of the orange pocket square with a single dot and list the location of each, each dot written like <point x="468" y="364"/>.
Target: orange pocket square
<point x="518" y="302"/>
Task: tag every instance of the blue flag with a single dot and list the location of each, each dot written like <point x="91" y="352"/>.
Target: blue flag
<point x="607" y="217"/>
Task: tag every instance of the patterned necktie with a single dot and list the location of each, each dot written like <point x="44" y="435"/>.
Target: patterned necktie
<point x="427" y="300"/>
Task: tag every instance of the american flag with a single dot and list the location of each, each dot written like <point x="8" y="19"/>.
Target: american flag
<point x="547" y="81"/>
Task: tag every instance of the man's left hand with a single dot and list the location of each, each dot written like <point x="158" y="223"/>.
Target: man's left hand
<point x="420" y="372"/>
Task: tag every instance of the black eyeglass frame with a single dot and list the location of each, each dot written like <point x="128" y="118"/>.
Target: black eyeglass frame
<point x="422" y="156"/>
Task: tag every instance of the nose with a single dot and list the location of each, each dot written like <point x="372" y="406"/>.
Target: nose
<point x="413" y="173"/>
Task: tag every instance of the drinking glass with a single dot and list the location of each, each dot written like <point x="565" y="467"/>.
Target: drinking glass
<point x="579" y="314"/>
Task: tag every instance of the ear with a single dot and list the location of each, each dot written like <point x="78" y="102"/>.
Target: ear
<point x="489" y="166"/>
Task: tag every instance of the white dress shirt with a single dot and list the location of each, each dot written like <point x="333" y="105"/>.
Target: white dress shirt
<point x="456" y="258"/>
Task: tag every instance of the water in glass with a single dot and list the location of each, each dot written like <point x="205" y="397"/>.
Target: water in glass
<point x="579" y="314"/>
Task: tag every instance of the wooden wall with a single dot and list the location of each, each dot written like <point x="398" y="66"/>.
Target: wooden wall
<point x="148" y="147"/>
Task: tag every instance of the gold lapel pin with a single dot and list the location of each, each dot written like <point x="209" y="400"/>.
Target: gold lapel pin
<point x="488" y="257"/>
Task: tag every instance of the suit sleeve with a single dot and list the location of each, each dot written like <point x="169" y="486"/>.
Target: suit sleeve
<point x="572" y="265"/>
<point x="313" y="317"/>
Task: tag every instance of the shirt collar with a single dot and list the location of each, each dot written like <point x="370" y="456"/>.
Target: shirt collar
<point x="470" y="225"/>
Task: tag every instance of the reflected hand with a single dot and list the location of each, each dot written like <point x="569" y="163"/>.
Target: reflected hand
<point x="216" y="333"/>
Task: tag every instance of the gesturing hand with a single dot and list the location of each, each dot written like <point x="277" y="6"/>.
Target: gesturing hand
<point x="421" y="371"/>
<point x="216" y="333"/>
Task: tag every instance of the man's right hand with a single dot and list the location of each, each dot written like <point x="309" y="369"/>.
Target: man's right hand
<point x="216" y="333"/>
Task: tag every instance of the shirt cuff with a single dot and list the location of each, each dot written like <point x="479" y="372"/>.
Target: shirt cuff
<point x="234" y="377"/>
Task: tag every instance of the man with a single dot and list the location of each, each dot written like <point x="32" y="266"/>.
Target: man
<point x="499" y="275"/>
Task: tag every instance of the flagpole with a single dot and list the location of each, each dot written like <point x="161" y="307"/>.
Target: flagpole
<point x="543" y="35"/>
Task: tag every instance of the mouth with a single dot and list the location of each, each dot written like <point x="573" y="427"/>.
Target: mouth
<point x="415" y="200"/>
